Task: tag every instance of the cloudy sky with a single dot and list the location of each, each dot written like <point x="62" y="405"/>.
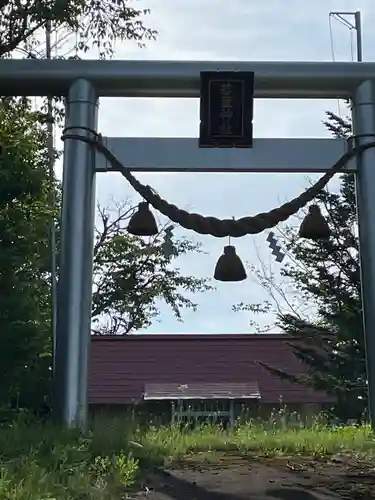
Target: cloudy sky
<point x="242" y="30"/>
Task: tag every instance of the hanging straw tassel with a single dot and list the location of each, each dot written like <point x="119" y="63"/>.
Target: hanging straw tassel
<point x="229" y="267"/>
<point x="314" y="226"/>
<point x="142" y="222"/>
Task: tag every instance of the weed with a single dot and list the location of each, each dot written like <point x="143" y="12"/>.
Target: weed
<point x="44" y="462"/>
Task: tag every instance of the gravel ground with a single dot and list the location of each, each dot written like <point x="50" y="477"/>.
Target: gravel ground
<point x="261" y="478"/>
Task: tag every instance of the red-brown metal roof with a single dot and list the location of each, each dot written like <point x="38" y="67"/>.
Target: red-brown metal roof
<point x="204" y="390"/>
<point x="121" y="366"/>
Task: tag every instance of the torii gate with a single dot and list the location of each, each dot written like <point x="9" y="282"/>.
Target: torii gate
<point x="83" y="82"/>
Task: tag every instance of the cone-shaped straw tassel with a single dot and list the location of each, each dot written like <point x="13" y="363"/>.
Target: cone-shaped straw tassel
<point x="142" y="222"/>
<point x="229" y="267"/>
<point x="314" y="226"/>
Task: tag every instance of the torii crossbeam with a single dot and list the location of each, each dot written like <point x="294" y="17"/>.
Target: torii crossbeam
<point x="83" y="82"/>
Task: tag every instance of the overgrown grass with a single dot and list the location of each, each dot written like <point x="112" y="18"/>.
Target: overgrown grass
<point x="43" y="462"/>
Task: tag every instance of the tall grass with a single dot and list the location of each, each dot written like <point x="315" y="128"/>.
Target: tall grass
<point x="44" y="462"/>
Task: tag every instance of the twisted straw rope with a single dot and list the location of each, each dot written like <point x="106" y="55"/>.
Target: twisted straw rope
<point x="220" y="228"/>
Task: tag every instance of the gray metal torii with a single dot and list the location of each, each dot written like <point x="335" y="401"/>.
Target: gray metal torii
<point x="83" y="82"/>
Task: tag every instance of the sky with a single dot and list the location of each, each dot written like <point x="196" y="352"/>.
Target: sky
<point x="240" y="30"/>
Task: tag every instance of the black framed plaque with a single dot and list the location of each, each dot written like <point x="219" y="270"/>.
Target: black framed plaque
<point x="226" y="109"/>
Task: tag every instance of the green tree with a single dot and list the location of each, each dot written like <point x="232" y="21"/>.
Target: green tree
<point x="93" y="23"/>
<point x="24" y="287"/>
<point x="326" y="276"/>
<point x="25" y="309"/>
<point x="134" y="275"/>
<point x="25" y="208"/>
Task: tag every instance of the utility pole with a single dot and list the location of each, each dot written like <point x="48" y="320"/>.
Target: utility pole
<point x="355" y="25"/>
<point x="52" y="200"/>
<point x="358" y="28"/>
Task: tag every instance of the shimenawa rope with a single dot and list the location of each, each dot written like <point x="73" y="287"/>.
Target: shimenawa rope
<point x="220" y="228"/>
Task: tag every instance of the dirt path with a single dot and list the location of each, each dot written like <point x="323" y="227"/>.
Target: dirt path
<point x="262" y="479"/>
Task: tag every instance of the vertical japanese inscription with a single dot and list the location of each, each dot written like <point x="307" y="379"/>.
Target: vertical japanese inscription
<point x="226" y="109"/>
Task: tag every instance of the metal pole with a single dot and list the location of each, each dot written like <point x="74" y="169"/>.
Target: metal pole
<point x="52" y="199"/>
<point x="358" y="28"/>
<point x="75" y="277"/>
<point x="364" y="130"/>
